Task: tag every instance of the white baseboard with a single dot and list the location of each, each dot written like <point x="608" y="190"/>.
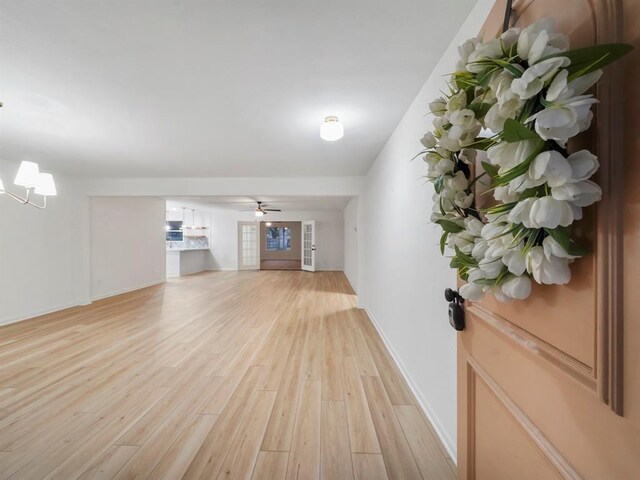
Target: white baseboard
<point x="127" y="290"/>
<point x="446" y="440"/>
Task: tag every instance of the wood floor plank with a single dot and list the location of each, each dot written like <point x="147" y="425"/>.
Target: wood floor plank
<point x="335" y="463"/>
<point x="428" y="454"/>
<point x="244" y="449"/>
<point x="397" y="454"/>
<point x="369" y="466"/>
<point x="263" y="375"/>
<point x="271" y="466"/>
<point x="280" y="428"/>
<point x="208" y="461"/>
<point x="331" y="379"/>
<point x="304" y="458"/>
<point x="107" y="466"/>
<point x="362" y="433"/>
<point x="176" y="461"/>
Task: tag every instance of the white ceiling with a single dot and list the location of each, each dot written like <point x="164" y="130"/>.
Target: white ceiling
<point x="287" y="203"/>
<point x="187" y="88"/>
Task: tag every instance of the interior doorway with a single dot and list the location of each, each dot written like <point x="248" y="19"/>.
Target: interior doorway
<point x="280" y="245"/>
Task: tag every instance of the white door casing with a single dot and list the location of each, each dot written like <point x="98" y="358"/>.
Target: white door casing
<point x="248" y="246"/>
<point x="309" y="245"/>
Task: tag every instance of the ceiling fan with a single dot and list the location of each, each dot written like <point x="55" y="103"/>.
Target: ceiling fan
<point x="260" y="210"/>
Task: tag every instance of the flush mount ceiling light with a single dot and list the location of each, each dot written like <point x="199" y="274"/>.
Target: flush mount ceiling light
<point x="331" y="129"/>
<point x="33" y="181"/>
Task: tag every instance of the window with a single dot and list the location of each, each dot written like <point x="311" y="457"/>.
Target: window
<point x="278" y="238"/>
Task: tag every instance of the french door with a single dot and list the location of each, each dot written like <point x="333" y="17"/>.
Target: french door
<point x="309" y="246"/>
<point x="248" y="246"/>
<point x="540" y="381"/>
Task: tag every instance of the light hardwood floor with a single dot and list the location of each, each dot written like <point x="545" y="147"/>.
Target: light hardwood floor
<point x="263" y="375"/>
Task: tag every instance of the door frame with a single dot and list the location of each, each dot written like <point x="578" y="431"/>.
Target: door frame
<point x="241" y="266"/>
<point x="312" y="248"/>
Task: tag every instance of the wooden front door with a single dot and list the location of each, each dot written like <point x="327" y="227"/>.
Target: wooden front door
<point x="542" y="393"/>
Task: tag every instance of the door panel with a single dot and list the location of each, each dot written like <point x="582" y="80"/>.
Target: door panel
<point x="248" y="246"/>
<point x="309" y="246"/>
<point x="540" y="381"/>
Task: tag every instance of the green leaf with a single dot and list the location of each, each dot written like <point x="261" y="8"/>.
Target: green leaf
<point x="577" y="250"/>
<point x="481" y="144"/>
<point x="520" y="169"/>
<point x="443" y="242"/>
<point x="484" y="77"/>
<point x="491" y="170"/>
<point x="480" y="109"/>
<point x="515" y="131"/>
<point x="449" y="226"/>
<point x="589" y="59"/>
<point x="464" y="259"/>
<point x="511" y="68"/>
<point x="562" y="235"/>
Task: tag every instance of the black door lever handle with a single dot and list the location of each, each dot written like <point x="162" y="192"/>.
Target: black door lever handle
<point x="456" y="312"/>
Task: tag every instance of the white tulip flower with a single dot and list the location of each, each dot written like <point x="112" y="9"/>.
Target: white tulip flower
<point x="438" y="107"/>
<point x="472" y="292"/>
<point x="521" y="213"/>
<point x="491" y="267"/>
<point x="464" y="50"/>
<point x="534" y="78"/>
<point x="552" y="248"/>
<point x="538" y="40"/>
<point x="560" y="90"/>
<point x="564" y="119"/>
<point x="553" y="271"/>
<point x="583" y="164"/>
<point x="503" y="195"/>
<point x="479" y="250"/>
<point x="457" y="101"/>
<point x="518" y="287"/>
<point x="473" y="226"/>
<point x="510" y="37"/>
<point x="550" y="167"/>
<point x="444" y="165"/>
<point x="581" y="194"/>
<point x="429" y="141"/>
<point x="515" y="260"/>
<point x="457" y="182"/>
<point x="508" y="155"/>
<point x="468" y="155"/>
<point x="463" y="200"/>
<point x="549" y="212"/>
<point x="450" y="143"/>
<point x="486" y="50"/>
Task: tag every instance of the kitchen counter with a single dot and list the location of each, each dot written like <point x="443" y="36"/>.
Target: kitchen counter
<point x="185" y="261"/>
<point x="185" y="249"/>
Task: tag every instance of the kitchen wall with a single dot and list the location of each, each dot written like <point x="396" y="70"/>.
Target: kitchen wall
<point x="128" y="249"/>
<point x="350" y="215"/>
<point x="401" y="273"/>
<point x="44" y="263"/>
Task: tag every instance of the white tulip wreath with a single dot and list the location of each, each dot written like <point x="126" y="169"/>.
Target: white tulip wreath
<point x="528" y="89"/>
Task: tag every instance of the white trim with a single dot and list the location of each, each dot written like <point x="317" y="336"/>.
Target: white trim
<point x="446" y="440"/>
<point x="127" y="290"/>
<point x="39" y="313"/>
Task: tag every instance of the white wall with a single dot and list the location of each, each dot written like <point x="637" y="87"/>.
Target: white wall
<point x="43" y="253"/>
<point x="128" y="249"/>
<point x="402" y="275"/>
<point x="351" y="242"/>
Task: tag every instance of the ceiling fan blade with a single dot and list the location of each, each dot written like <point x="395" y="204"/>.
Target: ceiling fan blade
<point x="271" y="209"/>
